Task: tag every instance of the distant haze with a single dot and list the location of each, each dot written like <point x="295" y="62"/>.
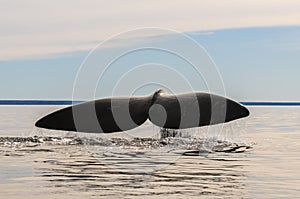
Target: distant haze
<point x="254" y="44"/>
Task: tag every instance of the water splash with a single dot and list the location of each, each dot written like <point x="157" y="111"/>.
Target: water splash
<point x="173" y="143"/>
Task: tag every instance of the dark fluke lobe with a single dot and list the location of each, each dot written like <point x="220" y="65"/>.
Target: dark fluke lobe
<point x="162" y="109"/>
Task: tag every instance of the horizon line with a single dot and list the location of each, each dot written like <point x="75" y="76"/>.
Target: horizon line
<point x="71" y="102"/>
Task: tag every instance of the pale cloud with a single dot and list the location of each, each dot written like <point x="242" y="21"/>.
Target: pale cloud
<point x="34" y="28"/>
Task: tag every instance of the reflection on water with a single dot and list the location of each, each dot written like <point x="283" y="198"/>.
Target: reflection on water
<point x="65" y="166"/>
<point x="180" y="167"/>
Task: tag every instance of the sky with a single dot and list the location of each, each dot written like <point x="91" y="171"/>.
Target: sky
<point x="251" y="47"/>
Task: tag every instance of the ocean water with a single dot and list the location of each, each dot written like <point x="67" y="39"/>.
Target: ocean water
<point x="256" y="157"/>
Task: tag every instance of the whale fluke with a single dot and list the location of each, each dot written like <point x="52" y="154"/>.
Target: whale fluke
<point x="162" y="109"/>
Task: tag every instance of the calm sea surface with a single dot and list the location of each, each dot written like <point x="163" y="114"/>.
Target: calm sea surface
<point x="256" y="157"/>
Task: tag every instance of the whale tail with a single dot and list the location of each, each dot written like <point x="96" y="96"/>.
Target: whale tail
<point x="164" y="110"/>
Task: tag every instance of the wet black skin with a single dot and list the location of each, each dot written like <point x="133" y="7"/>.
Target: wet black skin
<point x="164" y="110"/>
